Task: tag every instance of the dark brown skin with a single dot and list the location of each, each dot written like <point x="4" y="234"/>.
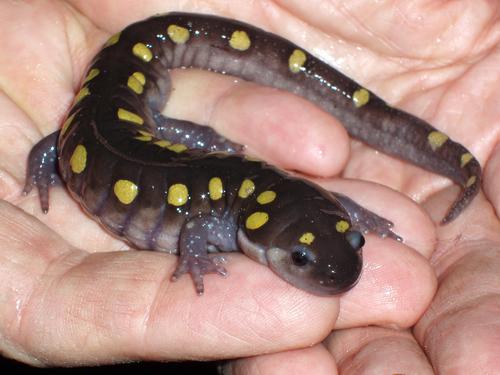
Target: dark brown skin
<point x="121" y="299"/>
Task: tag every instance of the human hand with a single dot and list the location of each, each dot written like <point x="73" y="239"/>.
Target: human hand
<point x="440" y="62"/>
<point x="70" y="297"/>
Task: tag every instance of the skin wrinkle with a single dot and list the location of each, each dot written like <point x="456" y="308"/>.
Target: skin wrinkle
<point x="148" y="325"/>
<point x="18" y="103"/>
<point x="118" y="310"/>
<point x="257" y="314"/>
<point x="372" y="340"/>
<point x="213" y="114"/>
<point x="284" y="12"/>
<point x="434" y="332"/>
<point x="146" y="321"/>
<point x="449" y="307"/>
<point x="62" y="109"/>
<point x="160" y="294"/>
<point x="67" y="43"/>
<point x="25" y="113"/>
<point x="81" y="14"/>
<point x="30" y="302"/>
<point x="360" y="25"/>
<point x="21" y="105"/>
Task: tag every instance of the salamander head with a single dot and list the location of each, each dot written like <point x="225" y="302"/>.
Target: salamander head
<point x="322" y="260"/>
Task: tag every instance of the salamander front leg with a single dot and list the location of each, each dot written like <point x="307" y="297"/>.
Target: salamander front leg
<point x="198" y="235"/>
<point x="366" y="221"/>
<point x="42" y="169"/>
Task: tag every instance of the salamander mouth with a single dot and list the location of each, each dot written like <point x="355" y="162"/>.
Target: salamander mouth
<point x="301" y="277"/>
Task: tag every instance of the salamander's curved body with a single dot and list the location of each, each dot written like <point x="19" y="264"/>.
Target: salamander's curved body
<point x="170" y="185"/>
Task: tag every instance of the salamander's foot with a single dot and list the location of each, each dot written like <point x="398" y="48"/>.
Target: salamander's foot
<point x="199" y="235"/>
<point x="366" y="221"/>
<point x="371" y="222"/>
<point x="198" y="266"/>
<point x="42" y="169"/>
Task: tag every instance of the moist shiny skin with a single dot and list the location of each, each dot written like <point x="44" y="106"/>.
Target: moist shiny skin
<point x="171" y="185"/>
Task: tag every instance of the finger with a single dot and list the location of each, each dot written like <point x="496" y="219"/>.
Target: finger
<point x="397" y="278"/>
<point x="314" y="360"/>
<point x="121" y="306"/>
<point x="410" y="220"/>
<point x="14" y="144"/>
<point x="460" y="328"/>
<point x="378" y="351"/>
<point x="277" y="126"/>
<point x="39" y="79"/>
<point x="125" y="303"/>
<point x="302" y="137"/>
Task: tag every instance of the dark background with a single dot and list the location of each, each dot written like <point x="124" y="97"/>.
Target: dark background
<point x="209" y="368"/>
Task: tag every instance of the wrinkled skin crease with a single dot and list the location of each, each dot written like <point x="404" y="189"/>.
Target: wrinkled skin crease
<point x="117" y="300"/>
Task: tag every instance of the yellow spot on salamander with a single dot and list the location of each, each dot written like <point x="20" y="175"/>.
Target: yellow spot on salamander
<point x="92" y="74"/>
<point x="252" y="158"/>
<point x="215" y="188"/>
<point x="142" y="51"/>
<point x="112" y="40"/>
<point x="256" y="220"/>
<point x="177" y="195"/>
<point x="240" y="40"/>
<point x="361" y="97"/>
<point x="78" y="160"/>
<point x="82" y="94"/>
<point x="465" y="158"/>
<point x="307" y="238"/>
<point x="177" y="147"/>
<point x="140" y="77"/>
<point x="125" y="115"/>
<point x="144" y="136"/>
<point x="471" y="181"/>
<point x="143" y="132"/>
<point x="125" y="191"/>
<point x="163" y="143"/>
<point x="436" y="139"/>
<point x="342" y="226"/>
<point x="136" y="82"/>
<point x="296" y="61"/>
<point x="67" y="123"/>
<point x="246" y="189"/>
<point x="178" y="34"/>
<point x="266" y="197"/>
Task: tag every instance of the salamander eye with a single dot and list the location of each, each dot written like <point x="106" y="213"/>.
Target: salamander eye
<point x="355" y="239"/>
<point x="300" y="256"/>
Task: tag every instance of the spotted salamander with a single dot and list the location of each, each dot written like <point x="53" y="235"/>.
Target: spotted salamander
<point x="171" y="185"/>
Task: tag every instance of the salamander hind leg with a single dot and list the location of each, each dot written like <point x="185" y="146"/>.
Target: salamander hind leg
<point x="199" y="235"/>
<point x="42" y="169"/>
<point x="366" y="221"/>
